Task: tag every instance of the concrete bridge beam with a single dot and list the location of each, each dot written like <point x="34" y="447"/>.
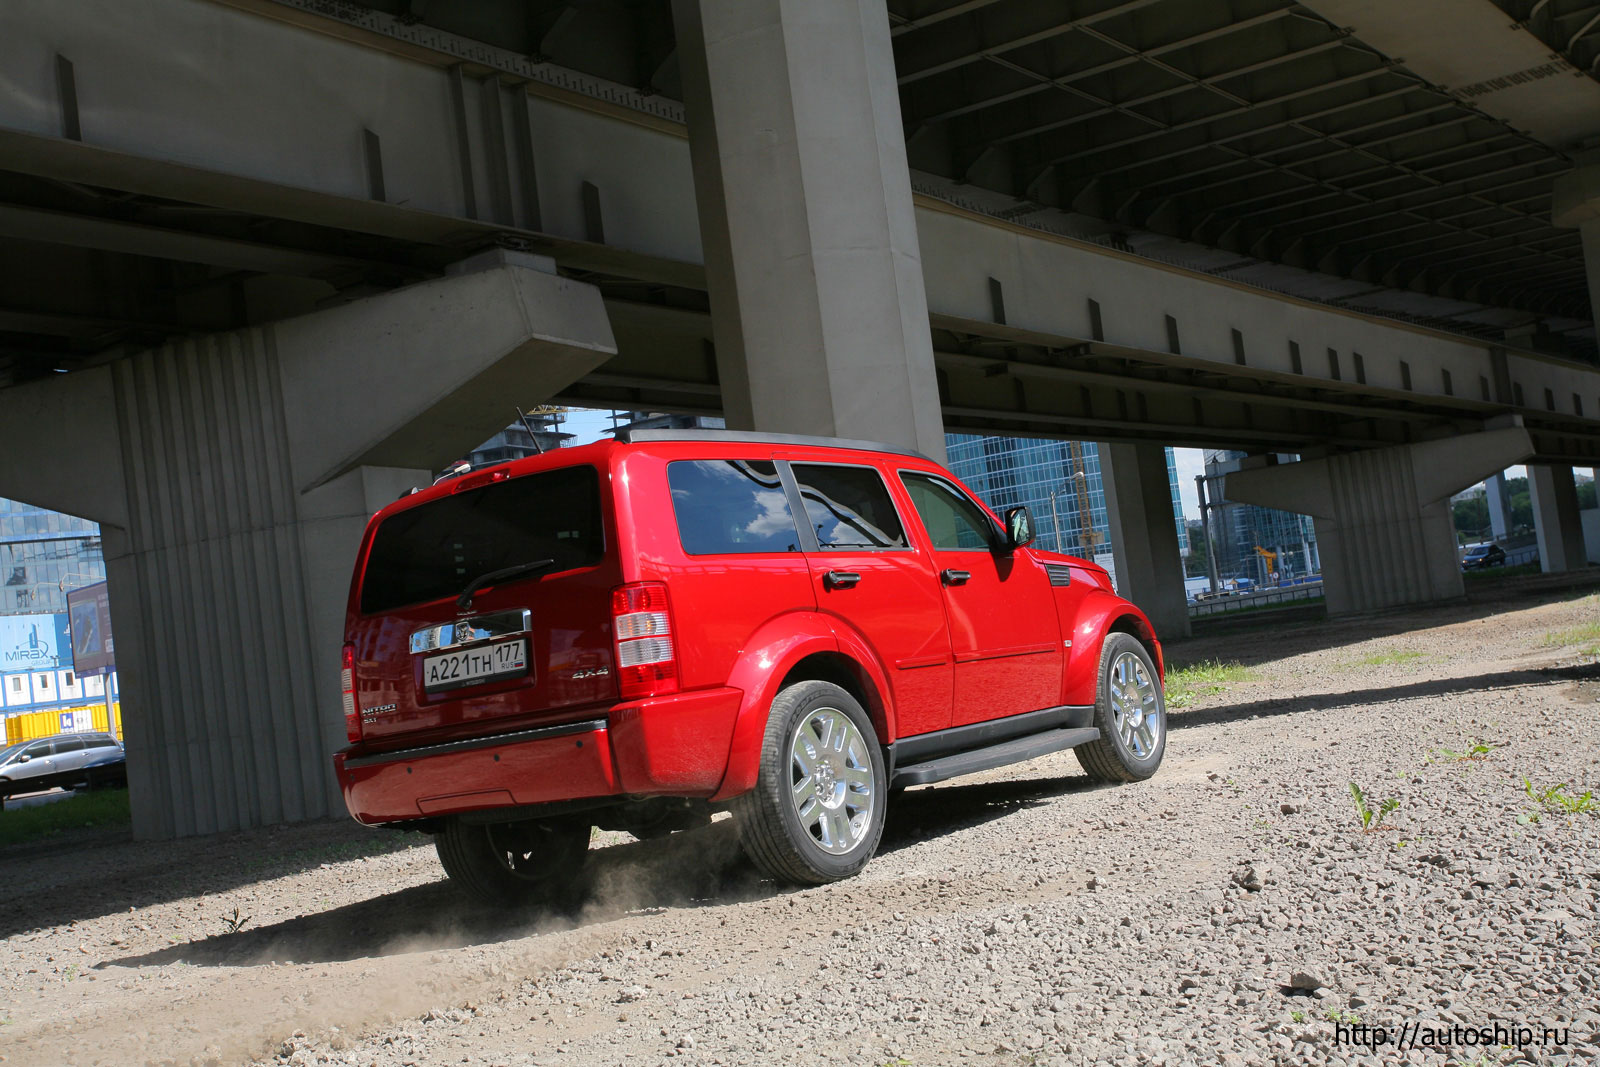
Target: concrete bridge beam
<point x="1383" y="516"/>
<point x="233" y="475"/>
<point x="818" y="308"/>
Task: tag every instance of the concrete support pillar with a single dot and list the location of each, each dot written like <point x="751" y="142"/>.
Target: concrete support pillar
<point x="1499" y="505"/>
<point x="1384" y="529"/>
<point x="1144" y="538"/>
<point x="233" y="475"/>
<point x="817" y="302"/>
<point x="1554" y="496"/>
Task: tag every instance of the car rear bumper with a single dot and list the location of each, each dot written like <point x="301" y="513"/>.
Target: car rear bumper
<point x="666" y="746"/>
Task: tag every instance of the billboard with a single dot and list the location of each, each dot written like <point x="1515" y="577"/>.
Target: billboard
<point x="34" y="642"/>
<point x="92" y="648"/>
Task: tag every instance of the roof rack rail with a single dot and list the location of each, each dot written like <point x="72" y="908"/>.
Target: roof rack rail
<point x="627" y="436"/>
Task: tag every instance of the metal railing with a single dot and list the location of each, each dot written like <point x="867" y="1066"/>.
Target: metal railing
<point x="1231" y="602"/>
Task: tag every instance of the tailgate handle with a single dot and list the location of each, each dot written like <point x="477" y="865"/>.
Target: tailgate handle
<point x="840" y="579"/>
<point x="952" y="577"/>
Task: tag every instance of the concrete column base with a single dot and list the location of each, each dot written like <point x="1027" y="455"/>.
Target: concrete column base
<point x="233" y="476"/>
<point x="1144" y="538"/>
<point x="1384" y="527"/>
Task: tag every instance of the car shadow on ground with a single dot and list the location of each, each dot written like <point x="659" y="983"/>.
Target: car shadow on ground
<point x="699" y="868"/>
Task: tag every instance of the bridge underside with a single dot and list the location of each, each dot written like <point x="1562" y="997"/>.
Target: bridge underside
<point x="262" y="297"/>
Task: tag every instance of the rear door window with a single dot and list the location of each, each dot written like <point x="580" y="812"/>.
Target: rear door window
<point x="731" y="506"/>
<point x="434" y="550"/>
<point x="848" y="507"/>
<point x="69" y="745"/>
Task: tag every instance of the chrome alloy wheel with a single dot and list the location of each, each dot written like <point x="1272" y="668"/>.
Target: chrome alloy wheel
<point x="1135" y="705"/>
<point x="831" y="780"/>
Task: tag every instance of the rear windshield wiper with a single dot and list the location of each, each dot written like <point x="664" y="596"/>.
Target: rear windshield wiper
<point x="464" y="601"/>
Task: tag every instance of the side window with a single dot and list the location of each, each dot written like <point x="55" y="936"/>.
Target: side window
<point x="74" y="744"/>
<point x="849" y="507"/>
<point x="731" y="506"/>
<point x="102" y="742"/>
<point x="37" y="749"/>
<point x="953" y="522"/>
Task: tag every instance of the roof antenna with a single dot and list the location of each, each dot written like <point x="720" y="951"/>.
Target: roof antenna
<point x="537" y="449"/>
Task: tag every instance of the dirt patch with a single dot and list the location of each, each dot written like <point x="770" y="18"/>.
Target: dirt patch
<point x="1022" y="916"/>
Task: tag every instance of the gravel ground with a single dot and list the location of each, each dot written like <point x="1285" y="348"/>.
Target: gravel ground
<point x="1232" y="910"/>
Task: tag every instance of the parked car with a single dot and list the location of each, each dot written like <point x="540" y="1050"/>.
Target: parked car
<point x="53" y="762"/>
<point x="635" y="633"/>
<point x="1487" y="554"/>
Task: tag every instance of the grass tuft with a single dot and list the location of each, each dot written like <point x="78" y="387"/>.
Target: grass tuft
<point x="98" y="807"/>
<point x="1588" y="635"/>
<point x="1386" y="657"/>
<point x="1187" y="684"/>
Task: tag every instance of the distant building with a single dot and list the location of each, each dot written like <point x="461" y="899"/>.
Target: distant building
<point x="42" y="555"/>
<point x="1239" y="530"/>
<point x="1059" y="481"/>
<point x="516" y="442"/>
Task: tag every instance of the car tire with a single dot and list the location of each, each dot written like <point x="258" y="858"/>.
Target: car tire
<point x="537" y="861"/>
<point x="1130" y="710"/>
<point x="816" y="813"/>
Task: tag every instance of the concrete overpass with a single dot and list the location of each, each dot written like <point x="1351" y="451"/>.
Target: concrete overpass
<point x="268" y="261"/>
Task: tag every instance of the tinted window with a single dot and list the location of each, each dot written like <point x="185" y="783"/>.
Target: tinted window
<point x="849" y="507"/>
<point x="74" y="745"/>
<point x="37" y="749"/>
<point x="101" y="742"/>
<point x="953" y="522"/>
<point x="731" y="505"/>
<point x="435" y="550"/>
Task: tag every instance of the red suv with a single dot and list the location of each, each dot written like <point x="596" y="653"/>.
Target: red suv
<point x="636" y="633"/>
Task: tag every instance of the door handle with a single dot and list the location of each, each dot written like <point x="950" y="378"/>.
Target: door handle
<point x="952" y="577"/>
<point x="840" y="579"/>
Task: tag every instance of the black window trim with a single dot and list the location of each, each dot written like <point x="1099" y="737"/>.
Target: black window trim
<point x="797" y="504"/>
<point x="996" y="533"/>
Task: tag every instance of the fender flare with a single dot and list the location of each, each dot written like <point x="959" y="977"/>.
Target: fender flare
<point x="771" y="653"/>
<point x="1101" y="613"/>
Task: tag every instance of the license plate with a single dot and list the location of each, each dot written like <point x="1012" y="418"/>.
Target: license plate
<point x="472" y="665"/>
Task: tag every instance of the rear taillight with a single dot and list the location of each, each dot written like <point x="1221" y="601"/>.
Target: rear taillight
<point x="641" y="619"/>
<point x="347" y="681"/>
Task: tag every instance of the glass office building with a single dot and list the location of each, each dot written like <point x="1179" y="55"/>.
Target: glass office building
<point x="1059" y="481"/>
<point x="1244" y="534"/>
<point x="43" y="554"/>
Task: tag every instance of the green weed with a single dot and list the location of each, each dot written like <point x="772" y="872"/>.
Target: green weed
<point x="1187" y="684"/>
<point x="1339" y="1015"/>
<point x="1475" y="752"/>
<point x="1557" y="801"/>
<point x="1371" y="818"/>
<point x="235" y="922"/>
<point x="1387" y="657"/>
<point x="1588" y="635"/>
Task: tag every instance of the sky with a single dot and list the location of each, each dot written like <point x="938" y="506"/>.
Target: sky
<point x="590" y="424"/>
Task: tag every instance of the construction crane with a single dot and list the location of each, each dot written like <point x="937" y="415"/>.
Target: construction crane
<point x="1272" y="560"/>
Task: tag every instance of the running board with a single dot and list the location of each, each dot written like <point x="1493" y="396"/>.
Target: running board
<point x="983" y="759"/>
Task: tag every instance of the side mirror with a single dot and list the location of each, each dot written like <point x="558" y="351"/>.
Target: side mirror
<point x="1019" y="527"/>
<point x="24" y="758"/>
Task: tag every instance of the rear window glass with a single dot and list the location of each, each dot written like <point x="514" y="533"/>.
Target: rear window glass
<point x="74" y="745"/>
<point x="848" y="507"/>
<point x="731" y="505"/>
<point x="434" y="550"/>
